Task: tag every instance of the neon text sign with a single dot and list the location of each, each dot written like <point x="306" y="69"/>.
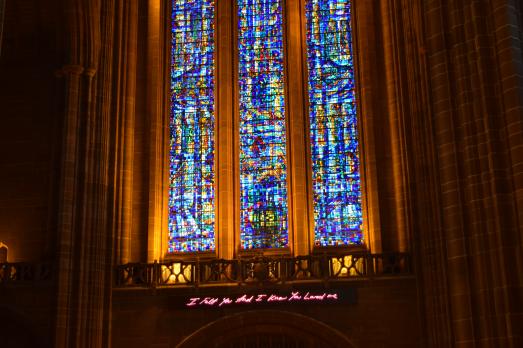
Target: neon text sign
<point x="263" y="298"/>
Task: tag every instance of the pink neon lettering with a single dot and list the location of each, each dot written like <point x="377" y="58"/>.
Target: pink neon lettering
<point x="275" y="298"/>
<point x="192" y="302"/>
<point x="260" y="297"/>
<point x="208" y="301"/>
<point x="244" y="299"/>
<point x="225" y="301"/>
<point x="309" y="297"/>
<point x="295" y="296"/>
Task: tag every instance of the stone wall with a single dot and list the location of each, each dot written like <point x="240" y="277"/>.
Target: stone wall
<point x="83" y="103"/>
<point x="385" y="314"/>
<point x="30" y="132"/>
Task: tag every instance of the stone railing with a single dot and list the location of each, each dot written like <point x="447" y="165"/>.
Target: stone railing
<point x="262" y="270"/>
<point x="24" y="272"/>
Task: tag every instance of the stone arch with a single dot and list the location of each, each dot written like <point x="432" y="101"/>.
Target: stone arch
<point x="267" y="328"/>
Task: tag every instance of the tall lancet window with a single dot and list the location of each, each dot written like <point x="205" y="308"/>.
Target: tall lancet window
<point x="333" y="124"/>
<point x="263" y="162"/>
<point x="191" y="190"/>
<point x="255" y="51"/>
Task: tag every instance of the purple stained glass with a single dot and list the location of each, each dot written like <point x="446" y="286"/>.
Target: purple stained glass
<point x="263" y="163"/>
<point x="333" y="123"/>
<point x="191" y="190"/>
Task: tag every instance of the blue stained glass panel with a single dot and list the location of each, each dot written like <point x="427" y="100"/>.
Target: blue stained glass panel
<point x="191" y="190"/>
<point x="263" y="163"/>
<point x="333" y="124"/>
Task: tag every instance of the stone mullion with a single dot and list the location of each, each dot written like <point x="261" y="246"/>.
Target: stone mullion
<point x="156" y="109"/>
<point x="300" y="233"/>
<point x="225" y="153"/>
<point x="367" y="69"/>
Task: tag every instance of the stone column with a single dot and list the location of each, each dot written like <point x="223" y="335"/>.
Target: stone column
<point x="85" y="238"/>
<point x="225" y="151"/>
<point x="389" y="137"/>
<point x="157" y="90"/>
<point x="468" y="175"/>
<point x="302" y="235"/>
<point x="122" y="151"/>
<point x="67" y="206"/>
<point x="368" y="70"/>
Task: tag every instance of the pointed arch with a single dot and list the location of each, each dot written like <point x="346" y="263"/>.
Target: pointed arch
<point x="267" y="326"/>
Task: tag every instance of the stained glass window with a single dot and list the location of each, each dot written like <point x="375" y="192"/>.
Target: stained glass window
<point x="333" y="124"/>
<point x="191" y="190"/>
<point x="263" y="163"/>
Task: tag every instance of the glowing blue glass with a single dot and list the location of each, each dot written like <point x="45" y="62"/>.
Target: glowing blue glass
<point x="191" y="190"/>
<point x="333" y="123"/>
<point x="263" y="163"/>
